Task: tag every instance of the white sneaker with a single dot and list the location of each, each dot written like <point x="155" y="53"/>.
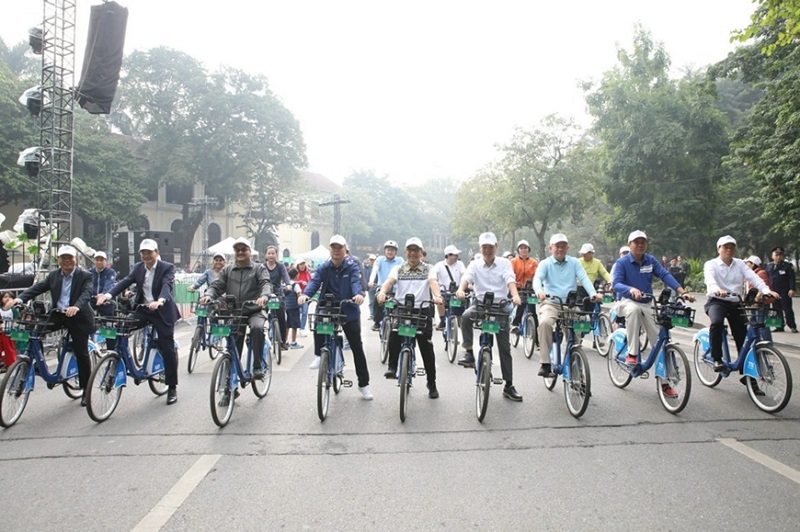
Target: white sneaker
<point x="366" y="393"/>
<point x="315" y="363"/>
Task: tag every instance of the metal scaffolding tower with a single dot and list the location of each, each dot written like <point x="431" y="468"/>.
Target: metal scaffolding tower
<point x="54" y="192"/>
<point x="337" y="201"/>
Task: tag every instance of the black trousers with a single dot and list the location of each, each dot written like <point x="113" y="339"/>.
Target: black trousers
<point x="424" y="341"/>
<point x="80" y="344"/>
<point x="165" y="342"/>
<point x="785" y="304"/>
<point x="352" y="331"/>
<point x="717" y="311"/>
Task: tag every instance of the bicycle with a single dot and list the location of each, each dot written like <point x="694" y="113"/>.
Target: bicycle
<point x="229" y="373"/>
<point x="491" y="319"/>
<point x="528" y="324"/>
<point x="410" y="322"/>
<point x="273" y="328"/>
<point x="574" y="369"/>
<point x="111" y="373"/>
<point x="602" y="328"/>
<point x="19" y="380"/>
<point x="765" y="371"/>
<point x="386" y="326"/>
<point x="453" y="310"/>
<point x="674" y="381"/>
<point x="202" y="339"/>
<point x="327" y="322"/>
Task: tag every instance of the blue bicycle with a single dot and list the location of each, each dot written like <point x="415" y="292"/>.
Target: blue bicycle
<point x="410" y="322"/>
<point x="202" y="339"/>
<point x="491" y="318"/>
<point x="327" y="322"/>
<point x="572" y="324"/>
<point x="453" y="310"/>
<point x="19" y="380"/>
<point x="229" y="372"/>
<point x="765" y="370"/>
<point x="274" y="329"/>
<point x="674" y="380"/>
<point x="602" y="326"/>
<point x="386" y="326"/>
<point x="529" y="323"/>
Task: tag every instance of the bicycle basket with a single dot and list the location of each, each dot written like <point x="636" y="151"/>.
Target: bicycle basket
<point x="673" y="315"/>
<point x="325" y="324"/>
<point x="766" y="316"/>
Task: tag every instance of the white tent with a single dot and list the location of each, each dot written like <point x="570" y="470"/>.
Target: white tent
<point x="225" y="247"/>
<point x="318" y="254"/>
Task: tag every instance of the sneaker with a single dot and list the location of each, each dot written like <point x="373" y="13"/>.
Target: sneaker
<point x="440" y="326"/>
<point x="794" y="330"/>
<point x="376" y="327"/>
<point x="515" y="329"/>
<point x="314" y="364"/>
<point x="630" y="360"/>
<point x="295" y="345"/>
<point x="669" y="391"/>
<point x="390" y="373"/>
<point x="509" y="392"/>
<point x="366" y="392"/>
<point x="545" y="371"/>
<point x="720" y="366"/>
<point x="467" y="361"/>
<point x="258" y="374"/>
<point x="433" y="393"/>
<point x="284" y="346"/>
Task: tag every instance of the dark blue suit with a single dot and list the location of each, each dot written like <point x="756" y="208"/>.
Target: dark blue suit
<point x="162" y="319"/>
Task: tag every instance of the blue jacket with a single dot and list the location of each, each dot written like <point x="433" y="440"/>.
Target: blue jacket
<point x="631" y="274"/>
<point x="103" y="281"/>
<point x="343" y="282"/>
<point x="208" y="277"/>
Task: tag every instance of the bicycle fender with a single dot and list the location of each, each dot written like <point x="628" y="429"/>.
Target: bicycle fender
<point x="702" y="337"/>
<point x="69" y="366"/>
<point x="620" y="340"/>
<point x="566" y="369"/>
<point x="156" y="364"/>
<point x="750" y="365"/>
<point x="661" y="366"/>
<point x="122" y="375"/>
<point x="31" y="380"/>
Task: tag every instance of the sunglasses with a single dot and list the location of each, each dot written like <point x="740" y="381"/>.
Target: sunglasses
<point x="241" y="250"/>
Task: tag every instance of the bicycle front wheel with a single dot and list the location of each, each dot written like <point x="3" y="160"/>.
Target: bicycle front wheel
<point x="275" y="341"/>
<point x="675" y="389"/>
<point x="13" y="395"/>
<point x="484" y="384"/>
<point x="72" y="386"/>
<point x="102" y="392"/>
<point x="603" y="337"/>
<point x="386" y="330"/>
<point x="451" y="345"/>
<point x="324" y="379"/>
<point x="531" y="335"/>
<point x="194" y="348"/>
<point x="772" y="389"/>
<point x="137" y="346"/>
<point x="618" y="371"/>
<point x="704" y="367"/>
<point x="578" y="389"/>
<point x="261" y="385"/>
<point x="222" y="397"/>
<point x="405" y="381"/>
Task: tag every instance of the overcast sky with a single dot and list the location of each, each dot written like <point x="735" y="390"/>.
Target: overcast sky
<point x="414" y="89"/>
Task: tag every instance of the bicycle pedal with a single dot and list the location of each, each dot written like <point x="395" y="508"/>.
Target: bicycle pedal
<point x="497" y="381"/>
<point x="347" y="384"/>
<point x="420" y="372"/>
<point x="644" y="375"/>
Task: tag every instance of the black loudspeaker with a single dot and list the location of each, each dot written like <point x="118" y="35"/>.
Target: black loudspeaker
<point x="121" y="254"/>
<point x="165" y="242"/>
<point x="103" y="57"/>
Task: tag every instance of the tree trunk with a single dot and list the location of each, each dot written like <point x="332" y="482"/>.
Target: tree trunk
<point x="183" y="238"/>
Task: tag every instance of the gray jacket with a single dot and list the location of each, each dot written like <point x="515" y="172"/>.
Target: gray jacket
<point x="243" y="282"/>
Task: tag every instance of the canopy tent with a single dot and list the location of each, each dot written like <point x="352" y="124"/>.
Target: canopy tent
<point x="318" y="254"/>
<point x="226" y="248"/>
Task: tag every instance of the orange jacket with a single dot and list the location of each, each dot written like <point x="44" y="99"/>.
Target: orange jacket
<point x="524" y="269"/>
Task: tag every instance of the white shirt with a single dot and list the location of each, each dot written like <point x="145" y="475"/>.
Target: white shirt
<point x="147" y="285"/>
<point x="490" y="278"/>
<point x="729" y="278"/>
<point x="439" y="273"/>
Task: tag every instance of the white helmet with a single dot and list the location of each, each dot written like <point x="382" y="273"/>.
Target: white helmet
<point x="391" y="244"/>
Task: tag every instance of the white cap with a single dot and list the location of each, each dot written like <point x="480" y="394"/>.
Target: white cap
<point x="727" y="239"/>
<point x="242" y="240"/>
<point x="636" y="234"/>
<point x="587" y="248"/>
<point x="390" y="244"/>
<point x="523" y="242"/>
<point x="219" y="255"/>
<point x="338" y="239"/>
<point x="487" y="238"/>
<point x="148" y="244"/>
<point x="414" y="241"/>
<point x="451" y="250"/>
<point x="506" y="254"/>
<point x="101" y="255"/>
<point x="372" y="256"/>
<point x="558" y="237"/>
<point x="755" y="260"/>
<point x="624" y="249"/>
<point x="67" y="250"/>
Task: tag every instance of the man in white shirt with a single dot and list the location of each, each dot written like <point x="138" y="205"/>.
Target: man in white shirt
<point x="725" y="276"/>
<point x="490" y="274"/>
<point x="445" y="273"/>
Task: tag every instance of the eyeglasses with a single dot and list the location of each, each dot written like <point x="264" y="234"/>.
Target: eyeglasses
<point x="241" y="250"/>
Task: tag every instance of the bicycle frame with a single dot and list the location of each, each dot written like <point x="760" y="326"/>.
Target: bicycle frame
<point x="619" y="341"/>
<point x="226" y="326"/>
<point x="67" y="366"/>
<point x="567" y="324"/>
<point x="153" y="363"/>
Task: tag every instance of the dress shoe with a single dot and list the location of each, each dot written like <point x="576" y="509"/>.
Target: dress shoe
<point x="509" y="392"/>
<point x="83" y="400"/>
<point x="467" y="361"/>
<point x="720" y="366"/>
<point x="545" y="371"/>
<point x="258" y="374"/>
<point x="172" y="396"/>
<point x="433" y="393"/>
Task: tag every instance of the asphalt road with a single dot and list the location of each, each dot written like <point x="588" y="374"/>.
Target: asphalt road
<point x="627" y="464"/>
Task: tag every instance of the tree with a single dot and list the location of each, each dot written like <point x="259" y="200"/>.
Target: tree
<point x="780" y="15"/>
<point x="662" y="143"/>
<point x="20" y="131"/>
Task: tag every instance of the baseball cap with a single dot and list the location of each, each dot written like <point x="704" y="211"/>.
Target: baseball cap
<point x="242" y="241"/>
<point x="101" y="255"/>
<point x="779" y="249"/>
<point x="523" y="242"/>
<point x="506" y="254"/>
<point x="587" y="248"/>
<point x="372" y="256"/>
<point x="755" y="260"/>
<point x="218" y="255"/>
<point x="727" y="239"/>
<point x="338" y="239"/>
<point x="148" y="244"/>
<point x="451" y="250"/>
<point x="487" y="238"/>
<point x="414" y="241"/>
<point x="624" y="249"/>
<point x="636" y="234"/>
<point x="390" y="244"/>
<point x="558" y="237"/>
<point x="67" y="250"/>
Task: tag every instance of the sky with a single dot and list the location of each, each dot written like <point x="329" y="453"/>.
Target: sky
<point x="416" y="89"/>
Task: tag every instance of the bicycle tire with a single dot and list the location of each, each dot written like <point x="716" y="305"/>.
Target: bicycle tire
<point x="158" y="384"/>
<point x="13" y="395"/>
<point x="194" y="347"/>
<point x="579" y="389"/>
<point x="603" y="338"/>
<point x="678" y="378"/>
<point x="222" y="397"/>
<point x="323" y="384"/>
<point x="102" y="394"/>
<point x="775" y="380"/>
<point x="617" y="369"/>
<point x="704" y="367"/>
<point x="386" y="329"/>
<point x="515" y="338"/>
<point x="451" y="346"/>
<point x="137" y="347"/>
<point x="261" y="386"/>
<point x="644" y="340"/>
<point x="72" y="386"/>
<point x="550" y="382"/>
<point x="483" y="385"/>
<point x="405" y="381"/>
<point x="275" y="341"/>
<point x="530" y="337"/>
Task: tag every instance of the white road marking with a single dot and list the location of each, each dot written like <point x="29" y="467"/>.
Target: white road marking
<point x="175" y="497"/>
<point x="766" y="461"/>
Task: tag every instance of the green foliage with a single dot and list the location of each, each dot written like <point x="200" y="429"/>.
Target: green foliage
<point x="781" y="16"/>
<point x="19" y="131"/>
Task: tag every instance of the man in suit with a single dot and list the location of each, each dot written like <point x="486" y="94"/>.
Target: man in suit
<point x="71" y="291"/>
<point x="155" y="279"/>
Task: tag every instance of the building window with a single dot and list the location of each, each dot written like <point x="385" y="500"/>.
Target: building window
<point x="214" y="234"/>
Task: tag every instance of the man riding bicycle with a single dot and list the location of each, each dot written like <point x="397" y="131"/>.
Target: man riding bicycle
<point x="447" y="272"/>
<point x="524" y="267"/>
<point x="380" y="272"/>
